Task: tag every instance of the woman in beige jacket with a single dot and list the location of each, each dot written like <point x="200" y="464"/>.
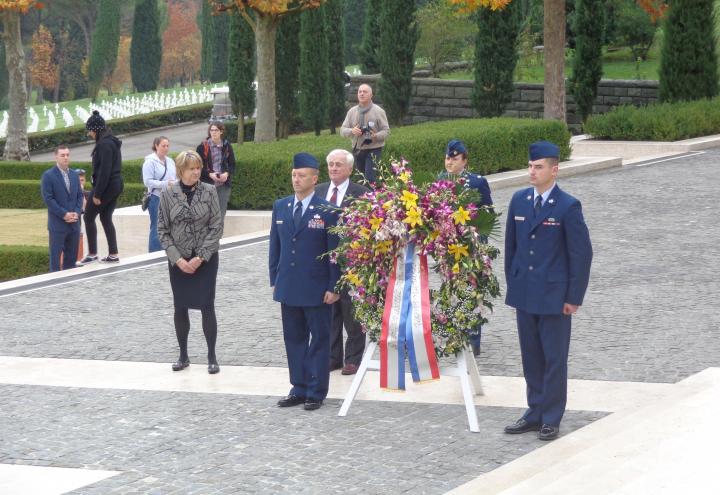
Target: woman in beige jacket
<point x="190" y="227"/>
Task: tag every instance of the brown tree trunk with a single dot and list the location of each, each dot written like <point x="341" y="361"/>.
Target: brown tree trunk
<point x="16" y="145"/>
<point x="265" y="28"/>
<point x="554" y="41"/>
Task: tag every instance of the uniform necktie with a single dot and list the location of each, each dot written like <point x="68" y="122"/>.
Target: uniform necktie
<point x="333" y="198"/>
<point x="297" y="216"/>
<point x="538" y="204"/>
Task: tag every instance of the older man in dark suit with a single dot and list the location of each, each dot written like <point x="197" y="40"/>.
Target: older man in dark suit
<point x="547" y="268"/>
<point x="341" y="191"/>
<point x="61" y="192"/>
<point x="303" y="281"/>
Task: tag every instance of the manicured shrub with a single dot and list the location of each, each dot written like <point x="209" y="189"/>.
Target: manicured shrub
<point x="661" y="122"/>
<point x="23" y="261"/>
<point x="26" y="194"/>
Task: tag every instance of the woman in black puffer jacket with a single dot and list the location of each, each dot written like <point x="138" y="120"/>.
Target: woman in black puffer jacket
<point x="107" y="185"/>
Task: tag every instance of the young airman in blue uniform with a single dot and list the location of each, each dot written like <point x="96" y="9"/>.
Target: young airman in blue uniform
<point x="547" y="268"/>
<point x="304" y="283"/>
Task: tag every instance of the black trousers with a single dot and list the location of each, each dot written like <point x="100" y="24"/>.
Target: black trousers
<point x="365" y="162"/>
<point x="342" y="315"/>
<point x="105" y="210"/>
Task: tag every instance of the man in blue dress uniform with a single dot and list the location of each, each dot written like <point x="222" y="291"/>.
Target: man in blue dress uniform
<point x="547" y="268"/>
<point x="304" y="283"/>
<point x="456" y="158"/>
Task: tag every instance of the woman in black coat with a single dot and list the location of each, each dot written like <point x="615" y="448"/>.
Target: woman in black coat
<point x="107" y="185"/>
<point x="218" y="162"/>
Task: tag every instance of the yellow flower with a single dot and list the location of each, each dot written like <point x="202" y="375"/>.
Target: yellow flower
<point x="352" y="278"/>
<point x="375" y="222"/>
<point x="409" y="199"/>
<point x="354" y="245"/>
<point x="461" y="216"/>
<point x="405" y="176"/>
<point x="387" y="205"/>
<point x="456" y="268"/>
<point x="458" y="250"/>
<point x="364" y="233"/>
<point x="434" y="234"/>
<point x="383" y="247"/>
<point x="413" y="217"/>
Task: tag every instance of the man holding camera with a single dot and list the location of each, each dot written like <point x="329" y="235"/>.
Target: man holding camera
<point x="367" y="126"/>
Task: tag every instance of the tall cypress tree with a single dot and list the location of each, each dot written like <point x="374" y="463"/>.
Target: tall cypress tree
<point x="4" y="79"/>
<point x="495" y="59"/>
<point x="105" y="41"/>
<point x="587" y="61"/>
<point x="73" y="84"/>
<point x="354" y="21"/>
<point x="334" y="28"/>
<point x="313" y="69"/>
<point x="369" y="50"/>
<point x="398" y="36"/>
<point x="241" y="71"/>
<point x="146" y="46"/>
<point x="214" y="53"/>
<point x="688" y="67"/>
<point x="287" y="73"/>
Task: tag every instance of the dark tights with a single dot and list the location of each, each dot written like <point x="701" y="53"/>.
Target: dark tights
<point x="106" y="212"/>
<point x="209" y="326"/>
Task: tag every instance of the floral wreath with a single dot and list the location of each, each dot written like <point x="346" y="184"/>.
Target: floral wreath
<point x="448" y="224"/>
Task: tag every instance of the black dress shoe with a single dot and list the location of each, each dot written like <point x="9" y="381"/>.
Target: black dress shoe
<point x="180" y="364"/>
<point x="312" y="404"/>
<point x="521" y="426"/>
<point x="213" y="368"/>
<point x="548" y="432"/>
<point x="291" y="400"/>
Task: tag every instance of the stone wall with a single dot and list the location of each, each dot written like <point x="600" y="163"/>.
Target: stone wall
<point x="440" y="99"/>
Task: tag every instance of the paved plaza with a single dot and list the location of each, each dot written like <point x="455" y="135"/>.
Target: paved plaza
<point x="648" y="318"/>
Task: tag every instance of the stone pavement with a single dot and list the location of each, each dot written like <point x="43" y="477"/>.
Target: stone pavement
<point x="647" y="318"/>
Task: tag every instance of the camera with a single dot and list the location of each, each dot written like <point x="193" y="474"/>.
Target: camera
<point x="366" y="133"/>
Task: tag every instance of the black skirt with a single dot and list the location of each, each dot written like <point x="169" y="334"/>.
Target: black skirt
<point x="194" y="291"/>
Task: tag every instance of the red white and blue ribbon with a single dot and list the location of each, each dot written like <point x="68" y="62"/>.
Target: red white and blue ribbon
<point x="406" y="330"/>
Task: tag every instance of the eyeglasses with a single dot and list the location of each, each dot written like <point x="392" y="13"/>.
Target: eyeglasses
<point x="215" y="130"/>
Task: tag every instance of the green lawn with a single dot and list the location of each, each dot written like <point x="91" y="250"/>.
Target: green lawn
<point x="617" y="64"/>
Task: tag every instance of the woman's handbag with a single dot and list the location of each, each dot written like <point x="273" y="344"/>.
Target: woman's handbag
<point x="148" y="194"/>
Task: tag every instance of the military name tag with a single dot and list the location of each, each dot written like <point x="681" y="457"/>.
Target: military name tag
<point x="520" y="219"/>
<point x="278" y="221"/>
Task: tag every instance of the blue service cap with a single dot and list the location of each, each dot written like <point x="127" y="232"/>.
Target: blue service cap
<point x="455" y="148"/>
<point x="543" y="149"/>
<point x="305" y="160"/>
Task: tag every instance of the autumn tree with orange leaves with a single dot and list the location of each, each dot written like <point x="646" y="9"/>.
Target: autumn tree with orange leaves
<point x="43" y="69"/>
<point x="554" y="44"/>
<point x="181" y="44"/>
<point x="264" y="16"/>
<point x="16" y="145"/>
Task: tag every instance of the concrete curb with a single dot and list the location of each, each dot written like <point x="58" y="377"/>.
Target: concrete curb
<point x="637" y="149"/>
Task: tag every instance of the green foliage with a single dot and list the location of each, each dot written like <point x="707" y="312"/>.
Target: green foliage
<point x="241" y="69"/>
<point x="398" y="37"/>
<point x="688" y="67"/>
<point x="17" y="193"/>
<point x="633" y="28"/>
<point x="661" y="122"/>
<point x="23" y="261"/>
<point x="77" y="134"/>
<point x="73" y="84"/>
<point x="146" y="46"/>
<point x="287" y="71"/>
<point x="105" y="41"/>
<point x="495" y="59"/>
<point x="263" y="172"/>
<point x="336" y="94"/>
<point x="214" y="55"/>
<point x="313" y="69"/>
<point x="444" y="34"/>
<point x="369" y="50"/>
<point x="587" y="59"/>
<point x="354" y="20"/>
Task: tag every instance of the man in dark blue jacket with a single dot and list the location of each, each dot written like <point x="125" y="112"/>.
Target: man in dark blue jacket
<point x="61" y="192"/>
<point x="547" y="268"/>
<point x="304" y="283"/>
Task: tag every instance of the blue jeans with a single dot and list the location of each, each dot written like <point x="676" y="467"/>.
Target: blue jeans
<point x="153" y="207"/>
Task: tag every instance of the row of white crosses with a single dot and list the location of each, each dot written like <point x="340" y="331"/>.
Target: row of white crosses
<point x="112" y="108"/>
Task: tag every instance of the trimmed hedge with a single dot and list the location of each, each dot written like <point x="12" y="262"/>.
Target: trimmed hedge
<point x="10" y="170"/>
<point x="494" y="145"/>
<point x="23" y="261"/>
<point x="77" y="134"/>
<point x="659" y="122"/>
<point x="18" y="193"/>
